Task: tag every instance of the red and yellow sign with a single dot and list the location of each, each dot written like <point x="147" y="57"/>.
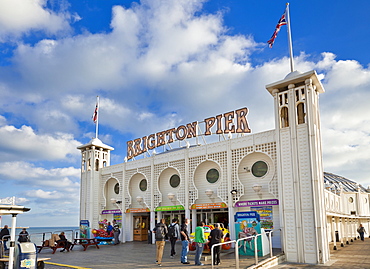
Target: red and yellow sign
<point x="137" y="210"/>
<point x="208" y="206"/>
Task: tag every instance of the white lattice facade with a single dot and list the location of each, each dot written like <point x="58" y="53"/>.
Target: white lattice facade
<point x="291" y="156"/>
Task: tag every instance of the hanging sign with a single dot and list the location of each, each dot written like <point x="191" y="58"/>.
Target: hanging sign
<point x="137" y="210"/>
<point x="257" y="203"/>
<point x="170" y="208"/>
<point x="111" y="211"/>
<point x="208" y="206"/>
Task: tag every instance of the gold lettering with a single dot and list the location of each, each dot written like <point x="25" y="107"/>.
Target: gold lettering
<point x="169" y="135"/>
<point x="144" y="149"/>
<point x="137" y="147"/>
<point x="219" y="124"/>
<point x="209" y="123"/>
<point x="184" y="132"/>
<point x="192" y="129"/>
<point x="160" y="139"/>
<point x="151" y="141"/>
<point x="130" y="150"/>
<point x="242" y="122"/>
<point x="229" y="120"/>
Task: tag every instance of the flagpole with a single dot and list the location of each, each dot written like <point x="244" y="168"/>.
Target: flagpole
<point x="97" y="117"/>
<point x="289" y="38"/>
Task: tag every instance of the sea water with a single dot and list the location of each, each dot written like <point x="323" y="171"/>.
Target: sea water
<point x="38" y="234"/>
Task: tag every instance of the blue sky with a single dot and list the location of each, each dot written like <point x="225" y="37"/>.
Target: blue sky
<point x="159" y="64"/>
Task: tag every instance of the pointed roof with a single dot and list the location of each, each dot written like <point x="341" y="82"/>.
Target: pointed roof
<point x="97" y="143"/>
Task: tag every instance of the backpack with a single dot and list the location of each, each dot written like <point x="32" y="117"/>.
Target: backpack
<point x="172" y="231"/>
<point x="159" y="232"/>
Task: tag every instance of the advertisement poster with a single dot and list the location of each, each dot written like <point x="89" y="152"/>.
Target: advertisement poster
<point x="84" y="229"/>
<point x="118" y="218"/>
<point x="265" y="213"/>
<point x="247" y="224"/>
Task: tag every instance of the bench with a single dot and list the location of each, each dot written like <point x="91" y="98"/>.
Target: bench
<point x="85" y="242"/>
<point x="53" y="244"/>
<point x="40" y="262"/>
<point x="54" y="247"/>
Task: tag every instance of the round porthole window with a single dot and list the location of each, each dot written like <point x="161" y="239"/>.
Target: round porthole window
<point x="350" y="199"/>
<point x="143" y="185"/>
<point x="174" y="181"/>
<point x="116" y="188"/>
<point x="259" y="169"/>
<point x="212" y="175"/>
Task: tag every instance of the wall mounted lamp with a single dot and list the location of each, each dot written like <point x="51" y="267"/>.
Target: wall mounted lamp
<point x="171" y="196"/>
<point x="139" y="199"/>
<point x="209" y="192"/>
<point x="257" y="188"/>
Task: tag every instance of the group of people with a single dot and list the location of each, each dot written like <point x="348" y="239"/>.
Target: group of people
<point x="175" y="232"/>
<point x="5" y="235"/>
<point x="115" y="230"/>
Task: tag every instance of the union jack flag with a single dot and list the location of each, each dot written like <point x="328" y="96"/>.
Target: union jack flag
<point x="95" y="115"/>
<point x="281" y="22"/>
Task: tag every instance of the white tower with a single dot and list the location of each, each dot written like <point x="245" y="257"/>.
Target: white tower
<point x="300" y="173"/>
<point x="95" y="155"/>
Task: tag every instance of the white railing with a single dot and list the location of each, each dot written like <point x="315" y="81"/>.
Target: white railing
<point x="252" y="237"/>
<point x="219" y="244"/>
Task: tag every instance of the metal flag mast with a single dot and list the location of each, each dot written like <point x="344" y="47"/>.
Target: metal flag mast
<point x="289" y="38"/>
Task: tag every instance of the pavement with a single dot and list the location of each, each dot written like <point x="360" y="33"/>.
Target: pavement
<point x="142" y="255"/>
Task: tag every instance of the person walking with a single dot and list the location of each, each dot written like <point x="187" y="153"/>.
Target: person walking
<point x="161" y="232"/>
<point x="173" y="235"/>
<point x="361" y="231"/>
<point x="199" y="240"/>
<point x="216" y="237"/>
<point x="23" y="236"/>
<point x="4" y="236"/>
<point x="185" y="241"/>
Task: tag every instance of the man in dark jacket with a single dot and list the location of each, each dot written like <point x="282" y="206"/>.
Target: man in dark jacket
<point x="216" y="237"/>
<point x="4" y="236"/>
<point x="173" y="238"/>
<point x="161" y="232"/>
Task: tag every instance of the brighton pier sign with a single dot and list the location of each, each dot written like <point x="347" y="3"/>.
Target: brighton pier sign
<point x="230" y="122"/>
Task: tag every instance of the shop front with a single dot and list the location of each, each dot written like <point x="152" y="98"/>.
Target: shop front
<point x="140" y="223"/>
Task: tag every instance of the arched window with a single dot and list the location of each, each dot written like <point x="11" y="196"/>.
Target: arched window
<point x="97" y="165"/>
<point x="301" y="114"/>
<point x="284" y="117"/>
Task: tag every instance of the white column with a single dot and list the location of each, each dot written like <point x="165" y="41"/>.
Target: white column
<point x="12" y="241"/>
<point x="346" y="228"/>
<point x="341" y="231"/>
<point x="152" y="224"/>
<point x="193" y="220"/>
<point x="333" y="233"/>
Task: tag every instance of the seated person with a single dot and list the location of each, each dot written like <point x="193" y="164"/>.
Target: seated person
<point x="63" y="241"/>
<point x="23" y="236"/>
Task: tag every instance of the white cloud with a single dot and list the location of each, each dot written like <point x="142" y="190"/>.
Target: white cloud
<point x="21" y="16"/>
<point x="60" y="178"/>
<point x="25" y="144"/>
